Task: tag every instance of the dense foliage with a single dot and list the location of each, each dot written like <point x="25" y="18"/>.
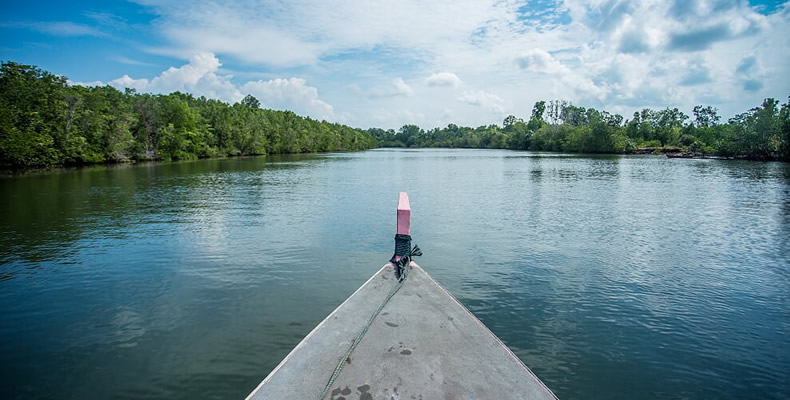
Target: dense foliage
<point x="760" y="133"/>
<point x="44" y="121"/>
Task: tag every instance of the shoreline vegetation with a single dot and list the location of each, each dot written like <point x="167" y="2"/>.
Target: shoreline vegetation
<point x="45" y="123"/>
<point x="761" y="133"/>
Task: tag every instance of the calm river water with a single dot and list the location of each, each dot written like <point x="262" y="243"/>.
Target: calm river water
<point x="611" y="277"/>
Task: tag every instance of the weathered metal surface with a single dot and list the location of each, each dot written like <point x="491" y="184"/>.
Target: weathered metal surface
<point x="424" y="345"/>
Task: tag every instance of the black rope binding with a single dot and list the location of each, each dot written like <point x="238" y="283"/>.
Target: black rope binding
<point x="406" y="252"/>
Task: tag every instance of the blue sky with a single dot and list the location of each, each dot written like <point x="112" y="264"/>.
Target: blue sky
<point x="428" y="62"/>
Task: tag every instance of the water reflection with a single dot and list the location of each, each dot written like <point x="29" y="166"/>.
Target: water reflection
<point x="610" y="276"/>
<point x="46" y="214"/>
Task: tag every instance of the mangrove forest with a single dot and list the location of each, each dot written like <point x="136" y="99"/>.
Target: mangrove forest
<point x="45" y="121"/>
<point x="761" y="133"/>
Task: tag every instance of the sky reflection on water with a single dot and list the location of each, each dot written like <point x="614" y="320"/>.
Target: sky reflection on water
<point x="612" y="277"/>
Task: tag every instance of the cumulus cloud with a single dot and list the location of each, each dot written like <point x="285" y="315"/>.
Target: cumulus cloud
<point x="538" y="60"/>
<point x="127" y="82"/>
<point x="747" y="65"/>
<point x="634" y="42"/>
<point x="696" y="76"/>
<point x="443" y="79"/>
<point x="401" y="87"/>
<point x="292" y="94"/>
<point x="681" y="25"/>
<point x="397" y="87"/>
<point x="483" y="99"/>
<point x="302" y="32"/>
<point x="679" y="53"/>
<point x="370" y="56"/>
<point x="86" y="84"/>
<point x="697" y="73"/>
<point x="200" y="76"/>
<point x="699" y="39"/>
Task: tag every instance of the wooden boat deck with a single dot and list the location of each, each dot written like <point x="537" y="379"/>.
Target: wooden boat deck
<point x="424" y="345"/>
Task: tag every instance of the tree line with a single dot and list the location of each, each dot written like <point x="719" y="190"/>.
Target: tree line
<point x="44" y="122"/>
<point x="761" y="133"/>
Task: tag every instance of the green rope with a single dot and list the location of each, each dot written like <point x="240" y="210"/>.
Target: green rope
<point x="342" y="362"/>
<point x="402" y="266"/>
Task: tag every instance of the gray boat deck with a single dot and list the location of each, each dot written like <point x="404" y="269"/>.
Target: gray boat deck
<point x="424" y="345"/>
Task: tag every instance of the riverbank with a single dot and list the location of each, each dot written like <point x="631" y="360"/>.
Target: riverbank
<point x="81" y="125"/>
<point x="761" y="133"/>
<point x="27" y="171"/>
<point x="24" y="172"/>
<point x="677" y="152"/>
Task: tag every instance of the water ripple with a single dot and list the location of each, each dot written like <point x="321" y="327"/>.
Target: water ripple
<point x="611" y="277"/>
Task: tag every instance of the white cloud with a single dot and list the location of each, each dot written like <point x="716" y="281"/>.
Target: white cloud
<point x="300" y="32"/>
<point x="483" y="99"/>
<point x="57" y="28"/>
<point x="200" y="76"/>
<point x="443" y="79"/>
<point x="86" y="84"/>
<point x="398" y="87"/>
<point x="128" y="82"/>
<point x="382" y="55"/>
<point x="292" y="94"/>
<point x="539" y="60"/>
<point x="401" y="87"/>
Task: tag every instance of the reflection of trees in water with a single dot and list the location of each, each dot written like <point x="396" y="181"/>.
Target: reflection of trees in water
<point x="785" y="193"/>
<point x="45" y="215"/>
<point x="745" y="169"/>
<point x="568" y="168"/>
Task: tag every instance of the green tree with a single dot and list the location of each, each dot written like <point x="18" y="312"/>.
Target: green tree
<point x="784" y="117"/>
<point x="668" y="125"/>
<point x="538" y="109"/>
<point x="32" y="113"/>
<point x="706" y="117"/>
<point x="250" y="101"/>
<point x="509" y="121"/>
<point x="408" y="135"/>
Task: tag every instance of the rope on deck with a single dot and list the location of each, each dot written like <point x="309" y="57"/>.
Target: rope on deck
<point x="401" y="271"/>
<point x="403" y="250"/>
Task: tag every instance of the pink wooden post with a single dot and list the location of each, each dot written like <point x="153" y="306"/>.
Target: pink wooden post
<point x="404" y="216"/>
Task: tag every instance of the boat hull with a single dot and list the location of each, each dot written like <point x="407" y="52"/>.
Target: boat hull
<point x="423" y="345"/>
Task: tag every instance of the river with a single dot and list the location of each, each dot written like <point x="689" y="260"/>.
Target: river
<point x="611" y="277"/>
